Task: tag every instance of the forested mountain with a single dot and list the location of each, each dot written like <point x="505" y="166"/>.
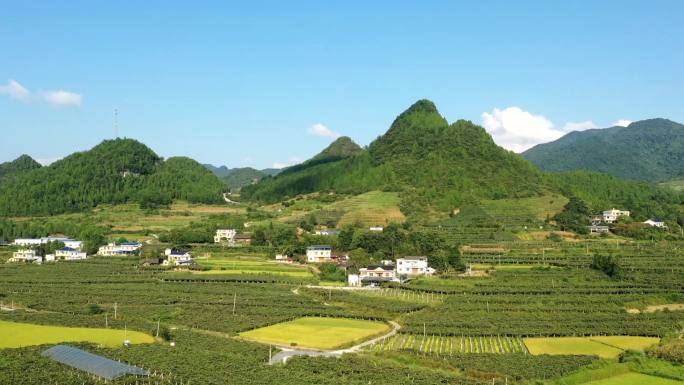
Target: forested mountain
<point x="115" y="171"/>
<point x="649" y="150"/>
<point x="342" y="148"/>
<point x="22" y="163"/>
<point x="431" y="162"/>
<point x="439" y="166"/>
<point x="236" y="178"/>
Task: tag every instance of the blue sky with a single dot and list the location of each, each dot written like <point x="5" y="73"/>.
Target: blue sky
<point x="261" y="83"/>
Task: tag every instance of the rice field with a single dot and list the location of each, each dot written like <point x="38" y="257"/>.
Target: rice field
<point x="602" y="346"/>
<point x="15" y="335"/>
<point x="317" y="332"/>
<point x="447" y="345"/>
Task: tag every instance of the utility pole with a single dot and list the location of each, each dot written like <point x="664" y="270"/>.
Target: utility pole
<point x="115" y="310"/>
<point x="158" y="328"/>
<point x="116" y="123"/>
<point x="234" y="301"/>
<point x="106" y="321"/>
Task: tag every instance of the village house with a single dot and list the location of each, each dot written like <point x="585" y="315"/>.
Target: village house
<point x="70" y="254"/>
<point x="376" y="274"/>
<point x="177" y="258"/>
<point x="125" y="248"/>
<point x="598" y="229"/>
<point x="283" y="258"/>
<point x="328" y="232"/>
<point x="68" y="242"/>
<point x="655" y="222"/>
<point x="378" y="229"/>
<point x="612" y="215"/>
<point x="318" y="254"/>
<point x="26" y="256"/>
<point x="413" y="266"/>
<point x="225" y="235"/>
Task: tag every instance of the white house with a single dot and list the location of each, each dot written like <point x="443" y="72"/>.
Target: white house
<point x="318" y="254"/>
<point x="177" y="258"/>
<point x="49" y="258"/>
<point x="378" y="229"/>
<point x="413" y="266"/>
<point x="69" y="254"/>
<point x="326" y="232"/>
<point x="113" y="249"/>
<point x="598" y="229"/>
<point x="26" y="256"/>
<point x="73" y="243"/>
<point x="225" y="235"/>
<point x="378" y="274"/>
<point x="612" y="215"/>
<point x="655" y="222"/>
<point x="353" y="280"/>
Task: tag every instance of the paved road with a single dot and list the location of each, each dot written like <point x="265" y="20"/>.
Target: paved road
<point x="286" y="353"/>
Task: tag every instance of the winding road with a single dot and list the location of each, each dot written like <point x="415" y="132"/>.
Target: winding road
<point x="286" y="352"/>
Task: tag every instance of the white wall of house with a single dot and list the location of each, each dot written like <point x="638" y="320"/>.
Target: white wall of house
<point x="225" y="235"/>
<point x="318" y="254"/>
<point x="412" y="266"/>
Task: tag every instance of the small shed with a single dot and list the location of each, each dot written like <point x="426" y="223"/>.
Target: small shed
<point x="96" y="365"/>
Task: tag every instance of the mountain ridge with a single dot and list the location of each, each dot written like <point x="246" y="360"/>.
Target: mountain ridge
<point x="651" y="150"/>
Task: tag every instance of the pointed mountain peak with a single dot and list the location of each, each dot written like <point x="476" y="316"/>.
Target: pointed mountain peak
<point x="423" y="105"/>
<point x="342" y="147"/>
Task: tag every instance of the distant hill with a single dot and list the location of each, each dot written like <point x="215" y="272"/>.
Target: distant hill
<point x="342" y="148"/>
<point x="115" y="171"/>
<point x="649" y="150"/>
<point x="428" y="160"/>
<point x="237" y="178"/>
<point x="19" y="165"/>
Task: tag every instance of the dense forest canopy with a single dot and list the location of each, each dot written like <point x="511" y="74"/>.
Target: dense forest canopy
<point x="649" y="150"/>
<point x="115" y="171"/>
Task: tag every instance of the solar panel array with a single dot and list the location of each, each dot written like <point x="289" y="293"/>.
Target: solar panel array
<point x="97" y="365"/>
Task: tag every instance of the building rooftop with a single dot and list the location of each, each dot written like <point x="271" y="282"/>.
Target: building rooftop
<point x="96" y="365"/>
<point x="319" y="247"/>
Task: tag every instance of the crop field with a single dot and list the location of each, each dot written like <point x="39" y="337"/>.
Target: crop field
<point x="634" y="379"/>
<point x="472" y="328"/>
<point x="442" y="345"/>
<point x="220" y="265"/>
<point x="317" y="333"/>
<point x="602" y="346"/>
<point x="15" y="335"/>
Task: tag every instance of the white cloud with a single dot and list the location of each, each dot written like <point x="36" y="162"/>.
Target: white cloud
<point x="579" y="126"/>
<point x="61" y="98"/>
<point x="515" y="129"/>
<point x="319" y="129"/>
<point x="622" y="123"/>
<point x="57" y="97"/>
<point x="290" y="162"/>
<point x="15" y="91"/>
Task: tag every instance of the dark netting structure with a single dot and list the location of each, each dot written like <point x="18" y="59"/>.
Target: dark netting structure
<point x="96" y="365"/>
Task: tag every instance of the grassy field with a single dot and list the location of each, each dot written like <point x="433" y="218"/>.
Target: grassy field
<point x="221" y="265"/>
<point x="16" y="335"/>
<point x="605" y="346"/>
<point x="634" y="379"/>
<point x="317" y="333"/>
<point x="371" y="208"/>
